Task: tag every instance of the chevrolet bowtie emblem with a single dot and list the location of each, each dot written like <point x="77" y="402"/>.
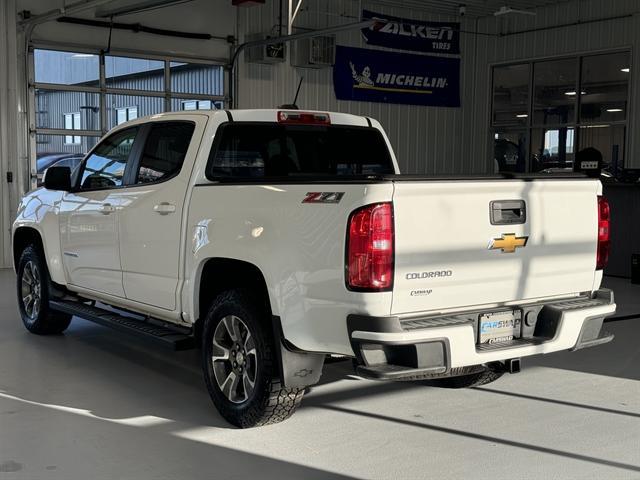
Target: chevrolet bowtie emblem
<point x="508" y="243"/>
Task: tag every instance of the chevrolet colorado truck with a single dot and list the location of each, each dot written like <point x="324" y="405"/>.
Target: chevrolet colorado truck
<point x="272" y="238"/>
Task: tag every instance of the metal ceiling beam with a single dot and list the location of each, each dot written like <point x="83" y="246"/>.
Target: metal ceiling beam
<point x="59" y="12"/>
<point x="293" y="13"/>
<point x="138" y="7"/>
<point x="474" y="8"/>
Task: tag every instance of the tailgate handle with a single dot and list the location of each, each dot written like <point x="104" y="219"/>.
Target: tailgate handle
<point x="507" y="212"/>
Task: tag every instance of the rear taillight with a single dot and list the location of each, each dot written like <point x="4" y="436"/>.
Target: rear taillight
<point x="604" y="223"/>
<point x="370" y="248"/>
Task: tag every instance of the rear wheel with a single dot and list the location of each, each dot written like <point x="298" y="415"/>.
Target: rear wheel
<point x="33" y="295"/>
<point x="239" y="363"/>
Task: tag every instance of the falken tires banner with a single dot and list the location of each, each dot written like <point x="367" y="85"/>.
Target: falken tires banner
<point x="407" y="34"/>
<point x="365" y="75"/>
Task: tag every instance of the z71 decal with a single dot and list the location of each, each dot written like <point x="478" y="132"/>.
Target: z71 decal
<point x="323" y="197"/>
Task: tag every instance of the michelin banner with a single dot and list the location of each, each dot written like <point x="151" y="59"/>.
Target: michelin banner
<point x="365" y="75"/>
<point x="407" y="34"/>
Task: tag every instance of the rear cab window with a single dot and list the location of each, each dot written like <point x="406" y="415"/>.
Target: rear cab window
<point x="248" y="150"/>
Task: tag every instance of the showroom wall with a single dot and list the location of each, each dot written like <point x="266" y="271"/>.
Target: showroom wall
<point x="436" y="140"/>
<point x="425" y="139"/>
<point x="587" y="37"/>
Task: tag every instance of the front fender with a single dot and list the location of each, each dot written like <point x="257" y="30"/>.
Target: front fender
<point x="38" y="210"/>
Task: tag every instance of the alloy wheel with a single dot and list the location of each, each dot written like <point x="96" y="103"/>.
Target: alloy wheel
<point x="31" y="289"/>
<point x="234" y="359"/>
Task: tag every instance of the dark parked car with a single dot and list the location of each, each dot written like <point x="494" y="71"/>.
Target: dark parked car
<point x="46" y="160"/>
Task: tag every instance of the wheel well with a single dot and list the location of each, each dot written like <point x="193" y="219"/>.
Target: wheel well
<point x="23" y="237"/>
<point x="221" y="274"/>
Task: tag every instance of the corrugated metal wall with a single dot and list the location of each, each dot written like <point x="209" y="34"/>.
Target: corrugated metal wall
<point x="425" y="139"/>
<point x="444" y="140"/>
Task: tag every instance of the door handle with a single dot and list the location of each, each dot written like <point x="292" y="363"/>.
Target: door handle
<point x="164" y="208"/>
<point x="107" y="208"/>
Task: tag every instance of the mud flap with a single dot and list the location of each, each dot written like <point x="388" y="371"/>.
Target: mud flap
<point x="297" y="369"/>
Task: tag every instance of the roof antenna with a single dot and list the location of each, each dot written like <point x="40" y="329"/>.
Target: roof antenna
<point x="293" y="106"/>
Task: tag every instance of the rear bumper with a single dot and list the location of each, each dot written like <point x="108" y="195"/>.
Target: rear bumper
<point x="401" y="348"/>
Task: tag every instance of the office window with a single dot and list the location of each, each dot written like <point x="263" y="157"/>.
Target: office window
<point x="188" y="104"/>
<point x="72" y="122"/>
<point x="545" y="112"/>
<point x="125" y="114"/>
<point x="197" y="105"/>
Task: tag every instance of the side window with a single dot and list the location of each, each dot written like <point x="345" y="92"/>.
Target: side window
<point x="247" y="151"/>
<point x="164" y="151"/>
<point x="105" y="167"/>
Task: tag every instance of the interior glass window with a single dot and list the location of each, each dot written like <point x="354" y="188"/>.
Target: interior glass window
<point x="105" y="167"/>
<point x="511" y="94"/>
<point x="552" y="149"/>
<point x="555" y="92"/>
<point x="164" y="151"/>
<point x="605" y="88"/>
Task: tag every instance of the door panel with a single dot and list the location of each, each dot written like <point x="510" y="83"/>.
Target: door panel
<point x="89" y="228"/>
<point x="89" y="239"/>
<point x="151" y="217"/>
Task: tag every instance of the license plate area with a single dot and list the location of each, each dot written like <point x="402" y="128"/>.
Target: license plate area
<point x="499" y="327"/>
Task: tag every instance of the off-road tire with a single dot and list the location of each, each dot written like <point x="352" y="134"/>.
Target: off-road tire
<point x="269" y="402"/>
<point x="471" y="380"/>
<point x="45" y="321"/>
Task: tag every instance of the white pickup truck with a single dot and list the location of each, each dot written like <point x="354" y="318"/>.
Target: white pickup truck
<point x="271" y="238"/>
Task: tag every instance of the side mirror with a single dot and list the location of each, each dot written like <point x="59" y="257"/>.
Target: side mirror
<point x="57" y="178"/>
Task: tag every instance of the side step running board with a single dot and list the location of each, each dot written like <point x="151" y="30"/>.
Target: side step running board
<point x="155" y="333"/>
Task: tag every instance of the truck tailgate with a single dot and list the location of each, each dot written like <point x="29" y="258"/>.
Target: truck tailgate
<point x="449" y="253"/>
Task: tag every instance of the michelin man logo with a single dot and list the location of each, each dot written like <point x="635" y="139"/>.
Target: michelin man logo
<point x="364" y="78"/>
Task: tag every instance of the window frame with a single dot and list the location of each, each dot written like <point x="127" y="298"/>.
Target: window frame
<point x="144" y="136"/>
<point x="577" y="125"/>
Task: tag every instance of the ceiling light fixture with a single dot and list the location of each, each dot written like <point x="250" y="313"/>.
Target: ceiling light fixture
<point x="82" y="55"/>
<point x="625" y="70"/>
<point x="522" y="115"/>
<point x="504" y="10"/>
<point x="614" y="110"/>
